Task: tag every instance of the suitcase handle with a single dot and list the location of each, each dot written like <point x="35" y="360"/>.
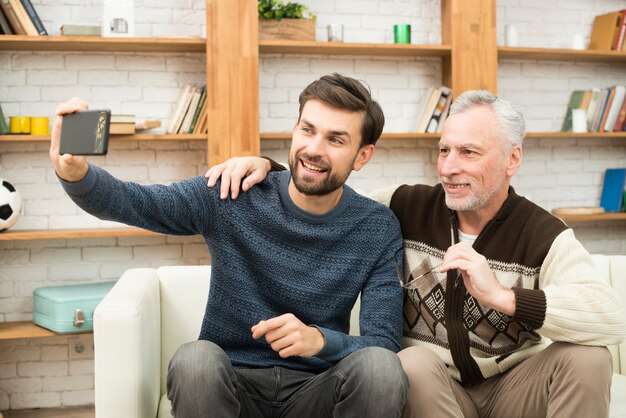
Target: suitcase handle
<point x="79" y="318"/>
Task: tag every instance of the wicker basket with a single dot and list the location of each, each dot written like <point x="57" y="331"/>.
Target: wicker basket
<point x="292" y="29"/>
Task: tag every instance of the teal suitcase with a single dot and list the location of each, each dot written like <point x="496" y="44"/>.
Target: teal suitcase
<point x="68" y="309"/>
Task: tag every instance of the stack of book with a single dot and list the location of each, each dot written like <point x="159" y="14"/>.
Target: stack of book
<point x="435" y="110"/>
<point x="609" y="31"/>
<point x="605" y="109"/>
<point x="19" y="17"/>
<point x="190" y="114"/>
<point x="122" y="124"/>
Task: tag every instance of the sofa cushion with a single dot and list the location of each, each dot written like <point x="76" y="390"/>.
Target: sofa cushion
<point x="618" y="397"/>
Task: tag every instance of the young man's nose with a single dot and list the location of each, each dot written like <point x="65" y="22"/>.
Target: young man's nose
<point x="316" y="146"/>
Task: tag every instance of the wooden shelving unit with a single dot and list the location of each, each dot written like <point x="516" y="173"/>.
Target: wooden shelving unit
<point x="15" y="330"/>
<point x="100" y="44"/>
<point x="344" y="48"/>
<point x="39" y="234"/>
<point x="115" y="138"/>
<point x="552" y="54"/>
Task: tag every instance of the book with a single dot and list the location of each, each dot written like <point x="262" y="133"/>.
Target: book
<point x="605" y="31"/>
<point x="191" y="110"/>
<point x="428" y="109"/>
<point x="620" y="123"/>
<point x="5" y="27"/>
<point x="34" y="17"/>
<point x="441" y="104"/>
<point x="607" y="107"/>
<point x="181" y="108"/>
<point x="198" y="110"/>
<point x="81" y="30"/>
<point x="619" y="43"/>
<point x="141" y="125"/>
<point x="9" y="13"/>
<point x="122" y="118"/>
<point x="575" y="99"/>
<point x="612" y="199"/>
<point x="597" y="117"/>
<point x="593" y="105"/>
<point x="444" y="113"/>
<point x="616" y="105"/>
<point x="201" y="123"/>
<point x="584" y="103"/>
<point x="22" y="16"/>
<point x="4" y="128"/>
<point x="121" y="128"/>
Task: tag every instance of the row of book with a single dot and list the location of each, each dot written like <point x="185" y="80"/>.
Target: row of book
<point x="435" y="110"/>
<point x="605" y="109"/>
<point x="609" y="32"/>
<point x="19" y="17"/>
<point x="190" y="114"/>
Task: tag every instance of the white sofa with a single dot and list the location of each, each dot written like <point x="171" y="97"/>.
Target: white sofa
<point x="150" y="312"/>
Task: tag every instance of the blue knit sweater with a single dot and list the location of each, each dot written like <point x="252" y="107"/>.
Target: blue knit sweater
<point x="270" y="258"/>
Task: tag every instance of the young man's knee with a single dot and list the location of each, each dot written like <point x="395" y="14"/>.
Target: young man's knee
<point x="380" y="368"/>
<point x="198" y="357"/>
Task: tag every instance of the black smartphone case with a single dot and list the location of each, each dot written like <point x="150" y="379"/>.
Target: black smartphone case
<point x="85" y="132"/>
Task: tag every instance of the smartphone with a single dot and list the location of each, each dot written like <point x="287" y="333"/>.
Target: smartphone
<point x="85" y="132"/>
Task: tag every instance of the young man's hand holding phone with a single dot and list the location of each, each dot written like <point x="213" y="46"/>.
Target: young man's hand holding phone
<point x="77" y="132"/>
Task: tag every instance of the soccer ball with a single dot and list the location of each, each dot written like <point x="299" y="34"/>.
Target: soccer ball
<point x="10" y="205"/>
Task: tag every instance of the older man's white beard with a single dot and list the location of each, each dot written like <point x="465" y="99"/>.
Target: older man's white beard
<point x="471" y="202"/>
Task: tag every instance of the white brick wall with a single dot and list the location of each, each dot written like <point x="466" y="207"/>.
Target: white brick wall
<point x="48" y="372"/>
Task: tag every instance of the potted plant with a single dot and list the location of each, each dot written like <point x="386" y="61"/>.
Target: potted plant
<point x="278" y="20"/>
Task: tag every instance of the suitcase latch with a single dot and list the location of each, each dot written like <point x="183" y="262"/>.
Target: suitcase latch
<point x="79" y="318"/>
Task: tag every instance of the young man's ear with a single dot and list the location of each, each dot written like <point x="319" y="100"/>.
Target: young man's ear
<point x="363" y="157"/>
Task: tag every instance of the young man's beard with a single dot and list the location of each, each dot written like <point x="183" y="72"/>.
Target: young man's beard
<point x="329" y="184"/>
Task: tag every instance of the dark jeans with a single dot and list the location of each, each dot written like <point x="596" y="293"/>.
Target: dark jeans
<point x="201" y="382"/>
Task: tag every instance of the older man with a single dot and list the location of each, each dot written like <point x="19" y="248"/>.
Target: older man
<point x="490" y="278"/>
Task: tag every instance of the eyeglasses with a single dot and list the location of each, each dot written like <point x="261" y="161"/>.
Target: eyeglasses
<point x="411" y="285"/>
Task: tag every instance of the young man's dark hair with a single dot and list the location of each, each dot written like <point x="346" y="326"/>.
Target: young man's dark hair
<point x="349" y="94"/>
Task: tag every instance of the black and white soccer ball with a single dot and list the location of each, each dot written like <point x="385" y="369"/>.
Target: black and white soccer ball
<point x="10" y="205"/>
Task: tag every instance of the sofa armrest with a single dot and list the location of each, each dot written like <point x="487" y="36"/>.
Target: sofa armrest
<point x="127" y="345"/>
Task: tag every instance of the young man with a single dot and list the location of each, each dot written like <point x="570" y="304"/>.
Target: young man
<point x="288" y="263"/>
<point x="490" y="277"/>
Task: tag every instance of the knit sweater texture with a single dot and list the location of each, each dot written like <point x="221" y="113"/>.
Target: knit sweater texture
<point x="269" y="258"/>
<point x="559" y="294"/>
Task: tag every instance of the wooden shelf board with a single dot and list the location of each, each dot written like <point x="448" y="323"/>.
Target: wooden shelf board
<point x="115" y="138"/>
<point x="15" y="330"/>
<point x="287" y="135"/>
<point x="100" y="44"/>
<point x="556" y="135"/>
<point x="344" y="48"/>
<point x="37" y="234"/>
<point x="621" y="216"/>
<point x="544" y="54"/>
<point x="576" y="135"/>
